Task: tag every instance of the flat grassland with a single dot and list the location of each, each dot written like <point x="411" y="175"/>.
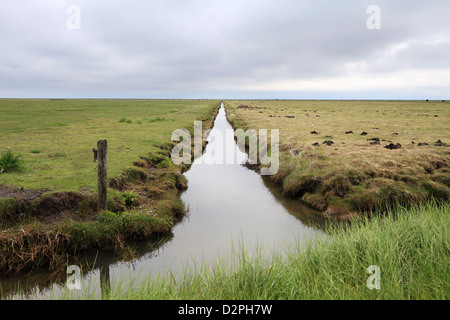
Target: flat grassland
<point x="333" y="153"/>
<point x="56" y="137"/>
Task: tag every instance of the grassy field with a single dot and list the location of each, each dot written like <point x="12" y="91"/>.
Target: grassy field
<point x="410" y="247"/>
<point x="48" y="207"/>
<point x="56" y="137"/>
<point x="355" y="172"/>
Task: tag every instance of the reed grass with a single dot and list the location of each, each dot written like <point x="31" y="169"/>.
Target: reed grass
<point x="410" y="246"/>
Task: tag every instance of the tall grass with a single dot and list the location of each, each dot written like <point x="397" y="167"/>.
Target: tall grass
<point x="410" y="246"/>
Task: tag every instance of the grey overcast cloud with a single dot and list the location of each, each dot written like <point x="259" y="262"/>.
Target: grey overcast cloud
<point x="265" y="49"/>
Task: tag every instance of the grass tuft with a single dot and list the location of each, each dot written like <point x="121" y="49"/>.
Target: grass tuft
<point x="10" y="161"/>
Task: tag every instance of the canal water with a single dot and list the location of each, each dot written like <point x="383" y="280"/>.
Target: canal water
<point x="230" y="207"/>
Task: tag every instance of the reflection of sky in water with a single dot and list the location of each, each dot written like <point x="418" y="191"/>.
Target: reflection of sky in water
<point x="228" y="205"/>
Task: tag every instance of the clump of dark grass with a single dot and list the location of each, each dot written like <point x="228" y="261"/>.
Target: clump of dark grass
<point x="125" y="120"/>
<point x="129" y="198"/>
<point x="57" y="155"/>
<point x="157" y="119"/>
<point x="165" y="163"/>
<point x="135" y="174"/>
<point x="10" y="161"/>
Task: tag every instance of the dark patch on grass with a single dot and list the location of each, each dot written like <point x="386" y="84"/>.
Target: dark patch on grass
<point x="392" y="146"/>
<point x="136" y="174"/>
<point x="57" y="155"/>
<point x="157" y="119"/>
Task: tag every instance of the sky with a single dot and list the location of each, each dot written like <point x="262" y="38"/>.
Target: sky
<point x="210" y="49"/>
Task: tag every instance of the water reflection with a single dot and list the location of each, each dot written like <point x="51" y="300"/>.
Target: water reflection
<point x="94" y="266"/>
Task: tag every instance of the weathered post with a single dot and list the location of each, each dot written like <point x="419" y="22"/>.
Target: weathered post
<point x="102" y="174"/>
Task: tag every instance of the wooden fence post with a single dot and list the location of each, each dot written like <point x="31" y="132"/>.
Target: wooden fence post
<point x="102" y="174"/>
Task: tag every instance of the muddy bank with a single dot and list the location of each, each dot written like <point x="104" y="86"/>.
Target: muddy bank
<point x="16" y="192"/>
